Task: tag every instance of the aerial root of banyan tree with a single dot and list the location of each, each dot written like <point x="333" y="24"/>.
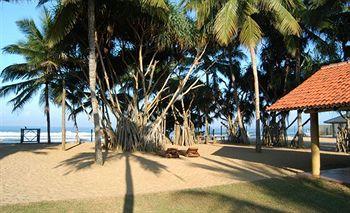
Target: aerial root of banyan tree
<point x="184" y="135"/>
<point x="274" y="132"/>
<point x="142" y="128"/>
<point x="131" y="135"/>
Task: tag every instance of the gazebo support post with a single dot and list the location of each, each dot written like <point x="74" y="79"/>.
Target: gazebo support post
<point x="315" y="144"/>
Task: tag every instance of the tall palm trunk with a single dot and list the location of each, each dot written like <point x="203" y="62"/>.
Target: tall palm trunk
<point x="47" y="112"/>
<point x="92" y="79"/>
<point x="284" y="115"/>
<point x="77" y="139"/>
<point x="207" y="116"/>
<point x="300" y="121"/>
<point x="257" y="100"/>
<point x="63" y="118"/>
<point x="239" y="113"/>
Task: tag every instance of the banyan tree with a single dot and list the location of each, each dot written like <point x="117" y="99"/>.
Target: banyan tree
<point x="147" y="63"/>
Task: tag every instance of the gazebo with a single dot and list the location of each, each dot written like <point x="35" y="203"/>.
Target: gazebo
<point x="326" y="90"/>
<point x="336" y="121"/>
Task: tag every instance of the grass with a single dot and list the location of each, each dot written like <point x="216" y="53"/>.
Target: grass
<point x="270" y="195"/>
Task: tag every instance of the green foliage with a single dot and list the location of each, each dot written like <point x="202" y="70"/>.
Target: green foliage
<point x="226" y="22"/>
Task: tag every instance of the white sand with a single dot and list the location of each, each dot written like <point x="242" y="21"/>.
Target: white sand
<point x="31" y="173"/>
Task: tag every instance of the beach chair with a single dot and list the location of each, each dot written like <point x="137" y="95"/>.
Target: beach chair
<point x="171" y="153"/>
<point x="190" y="152"/>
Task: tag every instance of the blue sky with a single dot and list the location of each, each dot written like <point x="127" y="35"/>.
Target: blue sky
<point x="32" y="113"/>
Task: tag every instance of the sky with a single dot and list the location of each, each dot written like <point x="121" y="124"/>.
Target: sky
<point x="32" y="113"/>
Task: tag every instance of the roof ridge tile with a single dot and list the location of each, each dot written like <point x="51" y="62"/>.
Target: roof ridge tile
<point x="335" y="64"/>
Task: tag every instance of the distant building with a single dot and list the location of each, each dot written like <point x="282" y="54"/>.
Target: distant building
<point x="336" y="122"/>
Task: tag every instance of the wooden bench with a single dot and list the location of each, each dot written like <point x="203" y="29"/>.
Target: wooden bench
<point x="191" y="152"/>
<point x="171" y="153"/>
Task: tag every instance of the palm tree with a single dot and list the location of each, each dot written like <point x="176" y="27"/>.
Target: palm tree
<point x="62" y="94"/>
<point x="238" y="17"/>
<point x="92" y="80"/>
<point x="232" y="75"/>
<point x="38" y="72"/>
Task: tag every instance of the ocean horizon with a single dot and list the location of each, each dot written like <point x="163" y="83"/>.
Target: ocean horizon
<point x="12" y="134"/>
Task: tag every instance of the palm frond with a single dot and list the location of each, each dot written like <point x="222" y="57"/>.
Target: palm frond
<point x="15" y="87"/>
<point x="250" y="34"/>
<point x="285" y="22"/>
<point x="178" y="27"/>
<point x="226" y="22"/>
<point x="24" y="97"/>
<point x="47" y="22"/>
<point x="20" y="48"/>
<point x="202" y="8"/>
<point x="28" y="27"/>
<point x="18" y="71"/>
<point x="66" y="16"/>
<point x="24" y="91"/>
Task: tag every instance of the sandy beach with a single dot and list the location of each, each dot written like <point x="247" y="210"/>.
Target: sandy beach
<point x="37" y="172"/>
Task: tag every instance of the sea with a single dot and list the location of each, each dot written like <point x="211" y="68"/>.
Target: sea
<point x="12" y="134"/>
<point x="251" y="132"/>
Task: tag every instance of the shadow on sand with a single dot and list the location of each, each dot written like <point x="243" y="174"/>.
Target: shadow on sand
<point x="35" y="148"/>
<point x="72" y="146"/>
<point x="129" y="196"/>
<point x="9" y="149"/>
<point x="86" y="160"/>
<point x="284" y="158"/>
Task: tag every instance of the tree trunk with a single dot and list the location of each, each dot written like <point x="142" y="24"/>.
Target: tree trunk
<point x="206" y="130"/>
<point x="300" y="121"/>
<point x="257" y="100"/>
<point x="207" y="115"/>
<point x="239" y="114"/>
<point x="47" y="112"/>
<point x="300" y="130"/>
<point x="283" y="133"/>
<point x="63" y="121"/>
<point x="77" y="139"/>
<point x="92" y="80"/>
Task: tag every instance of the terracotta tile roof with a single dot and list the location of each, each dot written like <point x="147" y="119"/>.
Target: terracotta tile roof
<point x="326" y="89"/>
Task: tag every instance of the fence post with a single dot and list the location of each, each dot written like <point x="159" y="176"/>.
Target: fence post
<point x="38" y="135"/>
<point x="221" y="133"/>
<point x="209" y="133"/>
<point x="91" y="135"/>
<point x="22" y="135"/>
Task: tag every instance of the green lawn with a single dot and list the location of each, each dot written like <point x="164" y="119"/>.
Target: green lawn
<point x="272" y="195"/>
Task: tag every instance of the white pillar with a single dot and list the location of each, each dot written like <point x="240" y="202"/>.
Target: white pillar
<point x="315" y="145"/>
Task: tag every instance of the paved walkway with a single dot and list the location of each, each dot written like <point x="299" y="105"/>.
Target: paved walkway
<point x="341" y="175"/>
<point x="31" y="173"/>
